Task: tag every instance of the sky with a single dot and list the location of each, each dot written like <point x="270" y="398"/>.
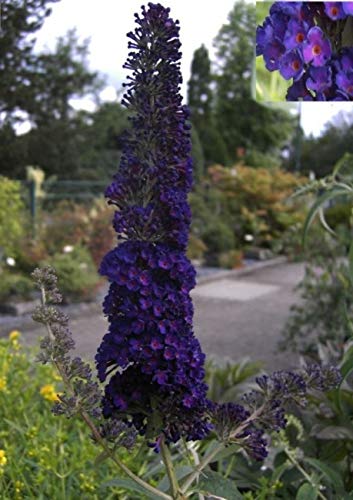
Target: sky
<point x="106" y="22"/>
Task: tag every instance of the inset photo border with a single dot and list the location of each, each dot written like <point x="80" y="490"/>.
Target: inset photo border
<point x="304" y="51"/>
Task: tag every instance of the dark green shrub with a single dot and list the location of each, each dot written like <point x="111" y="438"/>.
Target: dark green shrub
<point x="12" y="215"/>
<point x="218" y="237"/>
<point x="320" y="318"/>
<point x="231" y="260"/>
<point x="196" y="248"/>
<point x="15" y="287"/>
<point x="78" y="278"/>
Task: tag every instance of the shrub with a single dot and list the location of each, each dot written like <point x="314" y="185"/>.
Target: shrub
<point x="67" y="224"/>
<point x="320" y="318"/>
<point x="255" y="201"/>
<point x="218" y="237"/>
<point x="196" y="248"/>
<point x="100" y="232"/>
<point x="14" y="286"/>
<point x="30" y="253"/>
<point x="77" y="274"/>
<point x="12" y="215"/>
<point x="231" y="260"/>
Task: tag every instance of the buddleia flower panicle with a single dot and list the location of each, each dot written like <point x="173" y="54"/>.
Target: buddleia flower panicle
<point x="307" y="42"/>
<point x="55" y="348"/>
<point x="263" y="410"/>
<point x="149" y="359"/>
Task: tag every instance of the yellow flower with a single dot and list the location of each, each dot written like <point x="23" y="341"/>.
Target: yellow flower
<point x="3" y="459"/>
<point x="14" y="335"/>
<point x="48" y="392"/>
<point x="3" y="386"/>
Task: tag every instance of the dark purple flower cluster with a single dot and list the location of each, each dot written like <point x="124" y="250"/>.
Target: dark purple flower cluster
<point x="306" y="42"/>
<point x="230" y="425"/>
<point x="264" y="409"/>
<point x="150" y="356"/>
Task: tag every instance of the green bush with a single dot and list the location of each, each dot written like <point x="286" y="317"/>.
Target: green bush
<point x="77" y="275"/>
<point x="231" y="260"/>
<point x="218" y="237"/>
<point x="12" y="215"/>
<point x="320" y="318"/>
<point x="196" y="248"/>
<point x="14" y="286"/>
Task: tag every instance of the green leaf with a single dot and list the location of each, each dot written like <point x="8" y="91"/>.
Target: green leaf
<point x="333" y="477"/>
<point x="328" y="195"/>
<point x="333" y="432"/>
<point x="306" y="492"/>
<point x="180" y="473"/>
<point x="213" y="483"/>
<point x="127" y="484"/>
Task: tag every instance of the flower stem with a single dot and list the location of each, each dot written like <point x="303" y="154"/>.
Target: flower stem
<point x="207" y="459"/>
<point x="303" y="472"/>
<point x="173" y="481"/>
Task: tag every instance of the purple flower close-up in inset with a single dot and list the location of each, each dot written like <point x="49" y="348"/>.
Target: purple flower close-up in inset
<point x="317" y="48"/>
<point x="297" y="37"/>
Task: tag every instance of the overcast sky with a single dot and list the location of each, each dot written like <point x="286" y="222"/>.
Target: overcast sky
<point x="106" y="23"/>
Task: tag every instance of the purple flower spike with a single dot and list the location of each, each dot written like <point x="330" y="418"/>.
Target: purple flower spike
<point x="335" y="10"/>
<point x="291" y="65"/>
<point x="348" y="8"/>
<point x="320" y="78"/>
<point x="150" y="356"/>
<point x="317" y="48"/>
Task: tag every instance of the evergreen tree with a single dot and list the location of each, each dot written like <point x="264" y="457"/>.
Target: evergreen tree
<point x="244" y="123"/>
<point x="20" y="20"/>
<point x="200" y="100"/>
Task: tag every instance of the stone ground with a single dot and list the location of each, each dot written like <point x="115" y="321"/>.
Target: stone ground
<point x="234" y="317"/>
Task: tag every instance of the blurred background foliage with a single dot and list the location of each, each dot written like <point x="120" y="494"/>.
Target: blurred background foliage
<point x="248" y="156"/>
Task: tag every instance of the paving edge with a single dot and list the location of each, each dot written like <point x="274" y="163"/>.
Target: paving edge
<point x="237" y="273"/>
<point x="74" y="311"/>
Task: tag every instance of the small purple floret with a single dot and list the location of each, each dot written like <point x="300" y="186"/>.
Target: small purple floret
<point x="317" y="48"/>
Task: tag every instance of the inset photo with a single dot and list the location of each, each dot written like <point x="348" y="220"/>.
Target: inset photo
<point x="304" y="51"/>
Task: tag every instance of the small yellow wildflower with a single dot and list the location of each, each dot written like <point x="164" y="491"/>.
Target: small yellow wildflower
<point x="48" y="392"/>
<point x="18" y="487"/>
<point x="3" y="385"/>
<point x="3" y="459"/>
<point x="14" y="335"/>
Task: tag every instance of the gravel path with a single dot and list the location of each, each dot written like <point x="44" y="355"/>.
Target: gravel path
<point x="234" y="317"/>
